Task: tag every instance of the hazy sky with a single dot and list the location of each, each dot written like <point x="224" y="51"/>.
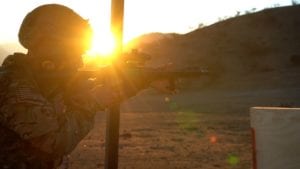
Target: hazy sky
<point x="141" y="16"/>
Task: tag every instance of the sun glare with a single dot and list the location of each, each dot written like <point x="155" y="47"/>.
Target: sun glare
<point x="101" y="50"/>
<point x="102" y="45"/>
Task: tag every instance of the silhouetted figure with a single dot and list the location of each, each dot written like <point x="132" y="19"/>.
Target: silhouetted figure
<point x="44" y="109"/>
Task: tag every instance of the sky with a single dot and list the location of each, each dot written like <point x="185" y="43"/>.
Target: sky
<point x="141" y="16"/>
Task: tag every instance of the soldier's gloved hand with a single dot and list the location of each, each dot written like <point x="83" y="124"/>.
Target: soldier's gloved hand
<point x="105" y="96"/>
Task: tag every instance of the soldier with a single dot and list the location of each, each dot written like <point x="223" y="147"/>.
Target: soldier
<point x="44" y="110"/>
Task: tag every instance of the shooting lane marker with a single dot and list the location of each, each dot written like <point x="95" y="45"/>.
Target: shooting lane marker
<point x="276" y="137"/>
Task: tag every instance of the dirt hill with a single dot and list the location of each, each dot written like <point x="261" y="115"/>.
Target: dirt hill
<point x="3" y="54"/>
<point x="264" y="42"/>
<point x="9" y="48"/>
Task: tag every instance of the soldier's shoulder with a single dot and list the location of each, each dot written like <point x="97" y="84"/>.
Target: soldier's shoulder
<point x="13" y="59"/>
<point x="19" y="87"/>
<point x="8" y="65"/>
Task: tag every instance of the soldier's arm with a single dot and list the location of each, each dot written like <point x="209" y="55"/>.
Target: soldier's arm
<point x="35" y="119"/>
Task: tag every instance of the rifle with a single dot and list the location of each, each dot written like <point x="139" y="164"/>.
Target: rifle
<point x="131" y="72"/>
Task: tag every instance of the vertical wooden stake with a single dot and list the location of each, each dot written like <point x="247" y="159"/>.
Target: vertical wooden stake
<point x="112" y="138"/>
<point x="113" y="115"/>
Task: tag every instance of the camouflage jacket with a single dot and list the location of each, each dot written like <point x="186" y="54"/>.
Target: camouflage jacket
<point x="36" y="129"/>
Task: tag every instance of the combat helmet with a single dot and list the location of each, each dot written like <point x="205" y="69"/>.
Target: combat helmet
<point x="51" y="22"/>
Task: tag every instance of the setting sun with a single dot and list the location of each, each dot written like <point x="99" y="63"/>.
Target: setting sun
<point x="102" y="45"/>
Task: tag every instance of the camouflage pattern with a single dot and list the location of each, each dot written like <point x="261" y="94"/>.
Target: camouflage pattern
<point x="38" y="129"/>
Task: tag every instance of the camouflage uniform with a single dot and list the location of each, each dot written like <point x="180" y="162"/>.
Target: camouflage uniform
<point x="38" y="129"/>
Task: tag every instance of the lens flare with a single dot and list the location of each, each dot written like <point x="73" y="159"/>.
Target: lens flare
<point x="173" y="105"/>
<point x="167" y="99"/>
<point x="187" y="120"/>
<point x="233" y="159"/>
<point x="213" y="139"/>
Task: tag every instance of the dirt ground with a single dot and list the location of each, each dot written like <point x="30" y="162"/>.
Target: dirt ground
<point x="195" y="129"/>
<point x="170" y="140"/>
<point x="174" y="136"/>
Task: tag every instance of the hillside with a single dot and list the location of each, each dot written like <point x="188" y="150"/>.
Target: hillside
<point x="9" y="48"/>
<point x="150" y="38"/>
<point x="3" y="53"/>
<point x="265" y="42"/>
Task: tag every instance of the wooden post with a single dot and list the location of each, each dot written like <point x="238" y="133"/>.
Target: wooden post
<point x="112" y="138"/>
<point x="113" y="115"/>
